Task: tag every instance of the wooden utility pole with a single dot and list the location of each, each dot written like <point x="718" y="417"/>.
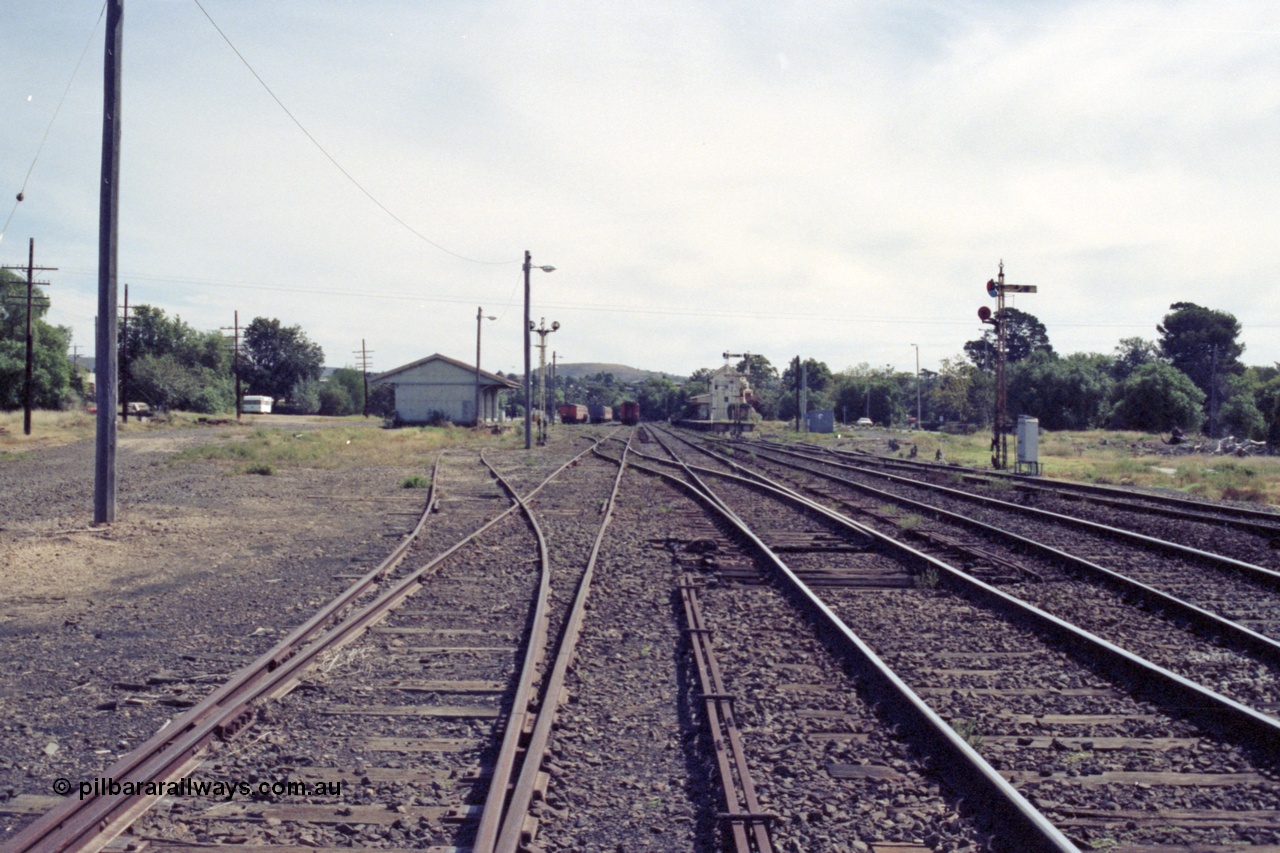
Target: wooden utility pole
<point x="29" y="370"/>
<point x="104" y="488"/>
<point x="797" y="378"/>
<point x="124" y="358"/>
<point x="363" y="355"/>
<point x="234" y="329"/>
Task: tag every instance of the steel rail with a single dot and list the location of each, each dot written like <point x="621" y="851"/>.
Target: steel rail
<point x="525" y="695"/>
<point x="46" y="829"/>
<point x="1234" y="633"/>
<point x="742" y="811"/>
<point x="1247" y="518"/>
<point x="510" y="834"/>
<point x="968" y="771"/>
<point x="91" y="823"/>
<point x="1175" y="691"/>
<point x="1259" y="574"/>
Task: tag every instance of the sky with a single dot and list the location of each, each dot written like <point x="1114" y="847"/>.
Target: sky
<point x="836" y="180"/>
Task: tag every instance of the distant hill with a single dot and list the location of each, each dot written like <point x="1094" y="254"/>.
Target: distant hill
<point x="571" y="370"/>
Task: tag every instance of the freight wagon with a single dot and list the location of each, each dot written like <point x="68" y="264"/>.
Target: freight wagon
<point x="600" y="414"/>
<point x="631" y="413"/>
<point x="572" y="414"/>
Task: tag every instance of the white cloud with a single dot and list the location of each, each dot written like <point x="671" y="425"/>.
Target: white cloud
<point x="838" y="180"/>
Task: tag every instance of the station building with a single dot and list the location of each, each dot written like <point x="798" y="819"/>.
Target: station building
<point x="438" y="387"/>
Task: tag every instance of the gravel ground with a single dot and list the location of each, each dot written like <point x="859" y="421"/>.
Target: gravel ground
<point x="109" y="632"/>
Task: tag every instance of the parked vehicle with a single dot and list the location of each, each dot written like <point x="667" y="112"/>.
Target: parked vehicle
<point x="253" y="404"/>
<point x="631" y="413"/>
<point x="600" y="414"/>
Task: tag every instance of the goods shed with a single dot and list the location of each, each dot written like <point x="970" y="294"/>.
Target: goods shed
<point x="438" y="387"/>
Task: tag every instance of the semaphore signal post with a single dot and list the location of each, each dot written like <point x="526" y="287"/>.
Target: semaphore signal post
<point x="997" y="288"/>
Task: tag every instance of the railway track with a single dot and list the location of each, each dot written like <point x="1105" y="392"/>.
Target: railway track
<point x="359" y="660"/>
<point x="1183" y="629"/>
<point x="637" y="649"/>
<point x="1057" y="712"/>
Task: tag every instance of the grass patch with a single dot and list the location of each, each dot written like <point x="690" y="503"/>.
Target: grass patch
<point x="417" y="481"/>
<point x="968" y="731"/>
<point x="1128" y="458"/>
<point x="48" y="429"/>
<point x="261" y="468"/>
<point x="927" y="578"/>
<point x="339" y="443"/>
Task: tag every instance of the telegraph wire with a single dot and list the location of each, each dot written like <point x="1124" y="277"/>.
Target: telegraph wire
<point x="614" y="309"/>
<point x="330" y="157"/>
<point x="22" y="191"/>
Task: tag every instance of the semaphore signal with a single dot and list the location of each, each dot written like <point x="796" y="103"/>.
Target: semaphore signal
<point x="996" y="289"/>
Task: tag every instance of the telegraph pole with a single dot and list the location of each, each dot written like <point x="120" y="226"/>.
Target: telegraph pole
<point x="104" y="487"/>
<point x="29" y="371"/>
<point x="804" y="394"/>
<point x="124" y="358"/>
<point x="797" y="378"/>
<point x="363" y="355"/>
<point x="234" y="329"/>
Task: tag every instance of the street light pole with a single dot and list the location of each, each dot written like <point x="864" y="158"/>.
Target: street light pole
<point x="528" y="370"/>
<point x="917" y="346"/>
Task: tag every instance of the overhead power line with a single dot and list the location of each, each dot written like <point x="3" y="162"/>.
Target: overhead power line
<point x="22" y="190"/>
<point x="657" y="310"/>
<point x="388" y="211"/>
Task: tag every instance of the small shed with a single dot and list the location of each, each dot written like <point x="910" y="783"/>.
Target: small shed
<point x="823" y="420"/>
<point x="441" y="387"/>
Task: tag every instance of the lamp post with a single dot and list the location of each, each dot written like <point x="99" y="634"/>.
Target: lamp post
<point x="528" y="370"/>
<point x="917" y="346"/>
<point x="543" y="331"/>
<point x="479" y="316"/>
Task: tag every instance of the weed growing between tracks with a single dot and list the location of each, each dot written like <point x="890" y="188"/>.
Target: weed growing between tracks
<point x="926" y="578"/>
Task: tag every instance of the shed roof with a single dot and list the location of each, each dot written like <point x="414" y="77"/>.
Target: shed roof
<point x="486" y="378"/>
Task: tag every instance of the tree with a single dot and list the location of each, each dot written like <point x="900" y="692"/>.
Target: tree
<point x="280" y="359"/>
<point x="1201" y="343"/>
<point x="961" y="392"/>
<point x="51" y="369"/>
<point x="1130" y="354"/>
<point x="1024" y="334"/>
<point x="763" y="377"/>
<point x="1063" y="393"/>
<point x="166" y="382"/>
<point x="1238" y="412"/>
<point x="659" y="398"/>
<point x="343" y="393"/>
<point x="862" y="391"/>
<point x="1156" y="397"/>
<point x="597" y="389"/>
<point x="171" y="365"/>
<point x="818" y="380"/>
